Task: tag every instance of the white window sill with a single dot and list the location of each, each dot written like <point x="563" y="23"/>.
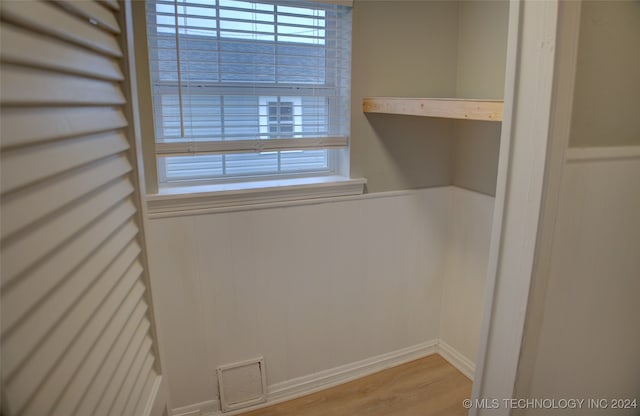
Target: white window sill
<point x="207" y="199"/>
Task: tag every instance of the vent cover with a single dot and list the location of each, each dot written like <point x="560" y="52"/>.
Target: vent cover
<point x="242" y="384"/>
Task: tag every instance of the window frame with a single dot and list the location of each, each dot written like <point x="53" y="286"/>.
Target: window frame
<point x="336" y="147"/>
<point x="169" y="201"/>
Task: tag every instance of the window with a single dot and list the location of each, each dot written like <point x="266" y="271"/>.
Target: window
<point x="248" y="90"/>
<point x="280" y="115"/>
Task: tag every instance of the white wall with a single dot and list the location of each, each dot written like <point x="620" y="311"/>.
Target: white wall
<point x="402" y="48"/>
<point x="308" y="287"/>
<point x="482" y="48"/>
<point x="607" y="86"/>
<point x="313" y="287"/>
<point x="587" y="343"/>
<point x="465" y="276"/>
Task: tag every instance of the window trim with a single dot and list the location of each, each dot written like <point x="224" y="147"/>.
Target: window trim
<point x="182" y="148"/>
<point x="238" y="196"/>
<point x="334" y="185"/>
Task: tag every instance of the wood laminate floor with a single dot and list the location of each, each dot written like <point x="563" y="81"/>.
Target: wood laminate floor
<point x="429" y="386"/>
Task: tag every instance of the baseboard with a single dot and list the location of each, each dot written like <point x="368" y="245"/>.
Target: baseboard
<point x="208" y="408"/>
<point x="328" y="378"/>
<point x="456" y="359"/>
<point x="302" y="386"/>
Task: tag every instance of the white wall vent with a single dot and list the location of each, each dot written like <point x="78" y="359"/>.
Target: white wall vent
<point x="242" y="384"/>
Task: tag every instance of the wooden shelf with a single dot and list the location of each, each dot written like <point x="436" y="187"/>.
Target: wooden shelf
<point x="487" y="110"/>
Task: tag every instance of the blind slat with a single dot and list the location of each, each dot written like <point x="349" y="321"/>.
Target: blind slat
<point x="22" y="47"/>
<point x="103" y="362"/>
<point x="113" y="4"/>
<point x="55" y="267"/>
<point x="89" y="350"/>
<point x="113" y="402"/>
<point x="146" y="376"/>
<point x="61" y="156"/>
<point x="61" y="296"/>
<point x="22" y="342"/>
<point x="128" y="341"/>
<point x="25" y="126"/>
<point x="141" y="399"/>
<point x="22" y="388"/>
<point x="249" y="146"/>
<point x="95" y="12"/>
<point x="61" y="24"/>
<point x="18" y="211"/>
<point x="49" y="236"/>
<point x="36" y="87"/>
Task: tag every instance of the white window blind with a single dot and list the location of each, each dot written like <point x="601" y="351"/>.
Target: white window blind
<point x="248" y="88"/>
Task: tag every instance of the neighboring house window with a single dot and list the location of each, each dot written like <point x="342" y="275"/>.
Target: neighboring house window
<point x="279" y="116"/>
<point x="247" y="90"/>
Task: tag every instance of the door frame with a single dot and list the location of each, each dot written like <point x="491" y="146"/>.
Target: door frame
<point x="539" y="80"/>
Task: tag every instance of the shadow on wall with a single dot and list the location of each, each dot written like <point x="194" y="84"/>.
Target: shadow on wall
<point x="419" y="148"/>
<point x="476" y="150"/>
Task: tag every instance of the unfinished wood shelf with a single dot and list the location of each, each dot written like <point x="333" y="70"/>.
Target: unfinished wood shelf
<point x="458" y="108"/>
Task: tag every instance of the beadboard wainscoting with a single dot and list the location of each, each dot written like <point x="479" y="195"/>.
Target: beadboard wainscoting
<point x="595" y="264"/>
<point x="322" y="291"/>
<point x="468" y="241"/>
